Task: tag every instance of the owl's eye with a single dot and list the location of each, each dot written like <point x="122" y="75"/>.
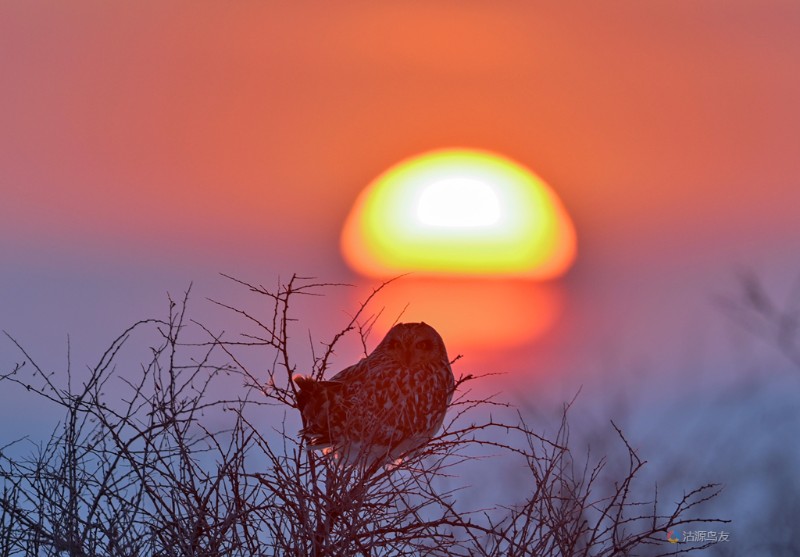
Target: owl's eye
<point x="393" y="345"/>
<point x="424" y="344"/>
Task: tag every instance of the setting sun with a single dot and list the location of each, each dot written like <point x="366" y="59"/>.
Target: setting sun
<point x="459" y="212"/>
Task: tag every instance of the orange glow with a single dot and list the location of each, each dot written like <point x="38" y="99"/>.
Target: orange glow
<point x="459" y="212"/>
<point x="472" y="314"/>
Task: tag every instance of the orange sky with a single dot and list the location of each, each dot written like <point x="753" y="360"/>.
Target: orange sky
<point x="178" y="130"/>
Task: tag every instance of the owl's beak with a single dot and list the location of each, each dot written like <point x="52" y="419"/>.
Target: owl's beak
<point x="406" y="356"/>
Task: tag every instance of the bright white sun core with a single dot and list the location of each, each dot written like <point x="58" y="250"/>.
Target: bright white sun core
<point x="458" y="203"/>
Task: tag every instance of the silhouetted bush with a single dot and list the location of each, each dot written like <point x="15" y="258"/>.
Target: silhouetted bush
<point x="171" y="468"/>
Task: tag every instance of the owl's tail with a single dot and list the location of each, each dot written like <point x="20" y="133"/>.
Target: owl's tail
<point x="316" y="400"/>
<point x="306" y="388"/>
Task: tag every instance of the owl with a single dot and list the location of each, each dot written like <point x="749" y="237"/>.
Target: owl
<point x="389" y="404"/>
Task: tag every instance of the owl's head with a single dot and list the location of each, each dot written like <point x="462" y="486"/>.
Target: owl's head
<point x="413" y="344"/>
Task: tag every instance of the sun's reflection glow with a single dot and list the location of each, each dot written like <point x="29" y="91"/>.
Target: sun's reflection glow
<point x="472" y="314"/>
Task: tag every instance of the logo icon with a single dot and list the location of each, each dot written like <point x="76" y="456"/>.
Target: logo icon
<point x="671" y="537"/>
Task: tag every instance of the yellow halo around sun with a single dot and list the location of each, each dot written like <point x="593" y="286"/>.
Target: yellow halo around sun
<point x="459" y="212"/>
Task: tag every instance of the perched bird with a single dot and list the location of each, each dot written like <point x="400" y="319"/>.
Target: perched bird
<point x="385" y="406"/>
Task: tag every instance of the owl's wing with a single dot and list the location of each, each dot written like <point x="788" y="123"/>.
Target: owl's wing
<point x="356" y="372"/>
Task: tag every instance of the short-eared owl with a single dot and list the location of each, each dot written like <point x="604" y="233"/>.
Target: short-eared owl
<point x="385" y="406"/>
